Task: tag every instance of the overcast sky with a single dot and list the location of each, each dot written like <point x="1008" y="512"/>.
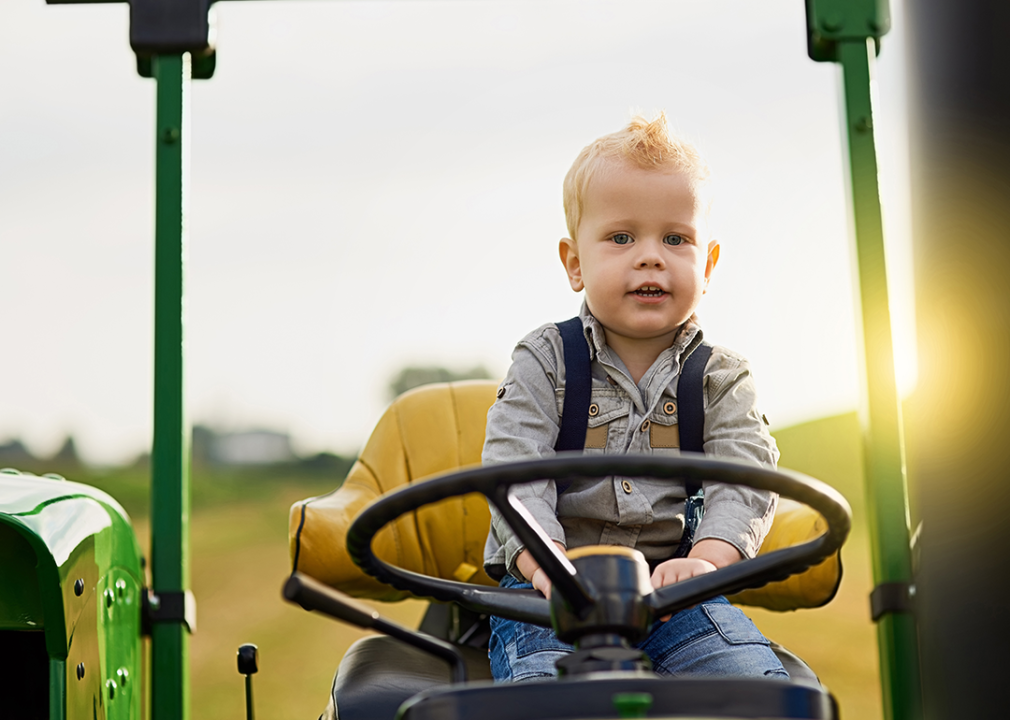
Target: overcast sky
<point x="376" y="184"/>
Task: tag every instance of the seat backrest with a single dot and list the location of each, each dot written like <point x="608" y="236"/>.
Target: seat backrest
<point x="438" y="428"/>
<point x="425" y="432"/>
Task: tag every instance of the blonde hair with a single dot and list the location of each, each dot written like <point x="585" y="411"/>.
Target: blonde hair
<point x="647" y="143"/>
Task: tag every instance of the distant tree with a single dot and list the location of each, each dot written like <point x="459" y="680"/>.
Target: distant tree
<point x="14" y="454"/>
<point x="66" y="457"/>
<point x="65" y="461"/>
<point x="416" y="375"/>
<point x="327" y="464"/>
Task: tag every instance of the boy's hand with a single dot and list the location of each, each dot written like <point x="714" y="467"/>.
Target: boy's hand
<point x="706" y="556"/>
<point x="532" y="571"/>
<point x="679" y="569"/>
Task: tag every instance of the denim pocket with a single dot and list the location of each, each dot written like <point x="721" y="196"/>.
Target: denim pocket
<point x="735" y="627"/>
<point x="531" y="639"/>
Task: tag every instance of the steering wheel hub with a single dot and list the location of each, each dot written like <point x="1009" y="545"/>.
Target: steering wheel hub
<point x="617" y="579"/>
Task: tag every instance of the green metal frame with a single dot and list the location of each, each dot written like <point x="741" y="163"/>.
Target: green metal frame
<point x="848" y="32"/>
<point x="170" y="495"/>
<point x="883" y="444"/>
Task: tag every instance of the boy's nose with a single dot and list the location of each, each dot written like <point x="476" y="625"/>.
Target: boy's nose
<point x="649" y="257"/>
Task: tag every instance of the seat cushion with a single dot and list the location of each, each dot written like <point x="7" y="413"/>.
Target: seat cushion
<point x="799" y="671"/>
<point x="379" y="673"/>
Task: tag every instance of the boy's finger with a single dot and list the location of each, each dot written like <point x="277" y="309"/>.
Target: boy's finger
<point x="661" y="578"/>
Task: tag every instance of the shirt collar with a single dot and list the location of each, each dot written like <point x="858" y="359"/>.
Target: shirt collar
<point x="689" y="337"/>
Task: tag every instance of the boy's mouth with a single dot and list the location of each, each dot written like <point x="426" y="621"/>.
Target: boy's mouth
<point x="650" y="291"/>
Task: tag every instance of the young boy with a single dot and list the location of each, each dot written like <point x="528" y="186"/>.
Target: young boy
<point x="637" y="204"/>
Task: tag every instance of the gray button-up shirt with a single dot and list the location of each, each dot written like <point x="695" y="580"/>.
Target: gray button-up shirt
<point x="642" y="513"/>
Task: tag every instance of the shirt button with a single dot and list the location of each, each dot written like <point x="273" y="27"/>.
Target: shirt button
<point x="611" y="380"/>
<point x="501" y="392"/>
<point x="645" y="426"/>
<point x="626" y="484"/>
<point x="594" y="410"/>
<point x="669" y="408"/>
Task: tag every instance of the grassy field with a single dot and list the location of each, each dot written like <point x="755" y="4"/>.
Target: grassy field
<point x="240" y="560"/>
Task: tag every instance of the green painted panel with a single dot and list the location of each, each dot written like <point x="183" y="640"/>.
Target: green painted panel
<point x="24" y="493"/>
<point x="83" y="698"/>
<point x="20" y="604"/>
<point x="119" y="616"/>
<point x="78" y="567"/>
<point x="57" y="689"/>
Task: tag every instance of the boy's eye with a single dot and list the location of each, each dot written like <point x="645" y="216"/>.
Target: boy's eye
<point x="673" y="239"/>
<point x="622" y="238"/>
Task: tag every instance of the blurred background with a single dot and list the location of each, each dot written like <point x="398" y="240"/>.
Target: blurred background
<point x="376" y="199"/>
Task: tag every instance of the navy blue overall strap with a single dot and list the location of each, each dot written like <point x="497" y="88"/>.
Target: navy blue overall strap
<point x="578" y="391"/>
<point x="691" y="418"/>
<point x="691" y="413"/>
<point x="578" y="387"/>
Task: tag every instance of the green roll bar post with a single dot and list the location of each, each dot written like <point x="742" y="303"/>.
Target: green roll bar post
<point x="848" y="32"/>
<point x="170" y="492"/>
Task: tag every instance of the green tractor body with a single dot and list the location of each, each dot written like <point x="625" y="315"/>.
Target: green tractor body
<point x="70" y="601"/>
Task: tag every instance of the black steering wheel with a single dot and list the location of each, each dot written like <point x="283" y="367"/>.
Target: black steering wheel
<point x="496" y="481"/>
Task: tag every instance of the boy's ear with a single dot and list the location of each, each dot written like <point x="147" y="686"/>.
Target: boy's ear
<point x="570" y="259"/>
<point x="711" y="261"/>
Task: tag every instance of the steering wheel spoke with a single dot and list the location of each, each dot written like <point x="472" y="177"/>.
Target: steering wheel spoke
<point x="562" y="574"/>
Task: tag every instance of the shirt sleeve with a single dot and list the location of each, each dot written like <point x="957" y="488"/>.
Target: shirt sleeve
<point x="735" y="429"/>
<point x="523" y="424"/>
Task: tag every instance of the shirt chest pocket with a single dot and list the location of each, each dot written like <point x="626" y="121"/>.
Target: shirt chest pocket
<point x="608" y="417"/>
<point x="664" y="431"/>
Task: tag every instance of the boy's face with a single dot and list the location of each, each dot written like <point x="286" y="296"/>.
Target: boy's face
<point x="643" y="253"/>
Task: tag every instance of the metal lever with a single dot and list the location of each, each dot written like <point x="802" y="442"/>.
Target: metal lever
<point x="313" y="595"/>
<point x="248" y="664"/>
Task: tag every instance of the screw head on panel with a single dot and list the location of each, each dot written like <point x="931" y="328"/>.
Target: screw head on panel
<point x="832" y="23"/>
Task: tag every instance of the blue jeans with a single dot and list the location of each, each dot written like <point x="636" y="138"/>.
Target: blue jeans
<point x="711" y="639"/>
